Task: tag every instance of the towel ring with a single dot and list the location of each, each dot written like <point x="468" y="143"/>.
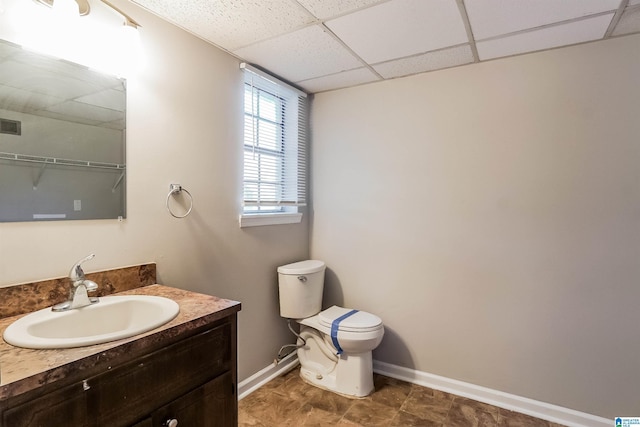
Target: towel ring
<point x="174" y="189"/>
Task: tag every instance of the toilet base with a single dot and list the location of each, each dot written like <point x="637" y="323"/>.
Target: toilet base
<point x="349" y="375"/>
<point x="358" y="390"/>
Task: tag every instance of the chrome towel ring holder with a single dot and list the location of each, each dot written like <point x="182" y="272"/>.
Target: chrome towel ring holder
<point x="177" y="189"/>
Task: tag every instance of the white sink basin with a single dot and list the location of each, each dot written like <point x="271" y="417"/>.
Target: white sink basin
<point x="113" y="318"/>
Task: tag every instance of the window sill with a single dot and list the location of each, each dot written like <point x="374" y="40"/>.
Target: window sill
<point x="255" y="220"/>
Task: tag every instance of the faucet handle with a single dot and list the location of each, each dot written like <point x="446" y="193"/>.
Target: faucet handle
<point x="76" y="272"/>
<point x="90" y="285"/>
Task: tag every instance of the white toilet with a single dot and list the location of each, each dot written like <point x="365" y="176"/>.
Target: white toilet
<point x="336" y="354"/>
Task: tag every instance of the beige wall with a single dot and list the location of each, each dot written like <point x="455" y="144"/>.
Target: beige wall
<point x="490" y="215"/>
<point x="184" y="126"/>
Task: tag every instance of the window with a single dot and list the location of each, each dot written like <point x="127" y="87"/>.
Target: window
<point x="274" y="144"/>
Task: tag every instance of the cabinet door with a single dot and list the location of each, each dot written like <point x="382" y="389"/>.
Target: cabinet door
<point x="67" y="406"/>
<point x="212" y="405"/>
<point x="123" y="395"/>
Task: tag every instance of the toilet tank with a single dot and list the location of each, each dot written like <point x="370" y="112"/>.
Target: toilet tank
<point x="300" y="286"/>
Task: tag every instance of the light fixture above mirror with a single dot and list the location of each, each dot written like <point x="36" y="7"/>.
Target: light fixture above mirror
<point x="94" y="33"/>
<point x="84" y="8"/>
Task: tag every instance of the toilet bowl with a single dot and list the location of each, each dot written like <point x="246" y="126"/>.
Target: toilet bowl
<point x="335" y="344"/>
<point x="340" y="361"/>
<point x="359" y="332"/>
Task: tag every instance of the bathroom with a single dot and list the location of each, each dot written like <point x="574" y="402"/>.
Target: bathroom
<point x="497" y="236"/>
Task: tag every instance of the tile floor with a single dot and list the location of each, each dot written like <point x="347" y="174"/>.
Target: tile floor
<point x="287" y="401"/>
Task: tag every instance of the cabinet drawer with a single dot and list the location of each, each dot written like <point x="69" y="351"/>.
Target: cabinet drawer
<point x="128" y="392"/>
<point x="211" y="405"/>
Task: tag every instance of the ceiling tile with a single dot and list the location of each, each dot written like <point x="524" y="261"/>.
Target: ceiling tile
<point x="109" y="98"/>
<point x="560" y="35"/>
<point x="232" y="23"/>
<point x="48" y="65"/>
<point x="327" y="8"/>
<point x="439" y="59"/>
<point x="116" y="124"/>
<point x="6" y="50"/>
<point x="40" y="80"/>
<point x="490" y="18"/>
<point x="24" y="101"/>
<point x="339" y="80"/>
<point x="301" y="55"/>
<point x="83" y="113"/>
<point x="401" y="28"/>
<point x="629" y="23"/>
<point x="66" y="118"/>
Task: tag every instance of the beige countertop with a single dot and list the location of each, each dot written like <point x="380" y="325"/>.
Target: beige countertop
<point x="24" y="369"/>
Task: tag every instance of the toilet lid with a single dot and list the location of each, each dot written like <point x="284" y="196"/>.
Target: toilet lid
<point x="302" y="267"/>
<point x="357" y="322"/>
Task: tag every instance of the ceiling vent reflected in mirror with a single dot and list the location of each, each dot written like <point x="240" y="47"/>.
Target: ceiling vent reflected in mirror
<point x="11" y="127"/>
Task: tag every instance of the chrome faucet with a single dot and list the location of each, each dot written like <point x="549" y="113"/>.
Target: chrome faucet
<point x="80" y="286"/>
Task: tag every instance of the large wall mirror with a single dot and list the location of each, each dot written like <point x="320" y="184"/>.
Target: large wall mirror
<point x="62" y="139"/>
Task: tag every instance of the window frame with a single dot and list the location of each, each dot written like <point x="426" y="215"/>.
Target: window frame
<point x="287" y="157"/>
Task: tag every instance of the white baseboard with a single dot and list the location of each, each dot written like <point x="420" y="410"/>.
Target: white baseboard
<point x="542" y="410"/>
<point x="265" y="375"/>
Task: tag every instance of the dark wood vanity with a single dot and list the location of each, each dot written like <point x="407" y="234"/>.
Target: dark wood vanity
<point x="181" y="374"/>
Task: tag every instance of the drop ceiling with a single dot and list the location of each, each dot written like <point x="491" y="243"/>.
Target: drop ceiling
<point x="321" y="45"/>
<point x="48" y="87"/>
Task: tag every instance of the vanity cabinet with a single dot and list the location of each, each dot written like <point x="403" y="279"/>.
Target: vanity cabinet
<point x="191" y="380"/>
<point x="207" y="406"/>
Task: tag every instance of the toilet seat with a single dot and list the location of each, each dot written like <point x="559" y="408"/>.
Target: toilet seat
<point x="360" y="321"/>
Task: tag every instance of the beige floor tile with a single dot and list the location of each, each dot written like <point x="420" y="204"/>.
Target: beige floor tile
<point x="370" y="413"/>
<point x="247" y="420"/>
<point x="347" y="423"/>
<point x="390" y="392"/>
<point x="404" y="419"/>
<point x="288" y="401"/>
<point x="432" y="405"/>
<point x="471" y="414"/>
<point x="314" y="417"/>
<point x="330" y="402"/>
<point x="273" y="409"/>
<point x="515" y="419"/>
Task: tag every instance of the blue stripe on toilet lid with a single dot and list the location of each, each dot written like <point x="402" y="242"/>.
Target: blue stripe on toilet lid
<point x="335" y="327"/>
<point x="360" y="321"/>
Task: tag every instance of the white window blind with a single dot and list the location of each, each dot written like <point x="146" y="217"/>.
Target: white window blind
<point x="275" y="141"/>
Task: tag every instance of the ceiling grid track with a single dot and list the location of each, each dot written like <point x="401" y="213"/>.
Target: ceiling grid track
<point x="467" y="27"/>
<point x="616" y="18"/>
